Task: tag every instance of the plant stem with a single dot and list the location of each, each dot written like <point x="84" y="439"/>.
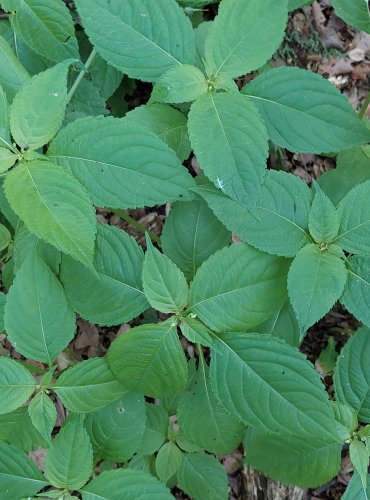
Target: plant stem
<point x="134" y="223"/>
<point x="83" y="72"/>
<point x="364" y="106"/>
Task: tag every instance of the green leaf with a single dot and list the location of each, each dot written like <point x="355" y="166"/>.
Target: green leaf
<point x="111" y="157"/>
<point x="201" y="33"/>
<point x="19" y="476"/>
<point x="197" y="333"/>
<point x="354" y="216"/>
<point x="168" y="461"/>
<point x="167" y="123"/>
<point x="7" y="159"/>
<point x="125" y="484"/>
<point x="69" y="460"/>
<point x="346" y="420"/>
<point x="323" y="219"/>
<point x="16" y="385"/>
<point x="238" y="287"/>
<point x="5" y="237"/>
<point x="278" y="224"/>
<point x="62" y="213"/>
<point x="359" y="456"/>
<point x="86" y="101"/>
<point x="3" y="298"/>
<point x="43" y="415"/>
<point x="156" y="429"/>
<point x="142" y="39"/>
<point x="47" y="27"/>
<point x="356" y="490"/>
<point x="304" y="112"/>
<point x="191" y="234"/>
<point x="316" y="280"/>
<point x="354" y="12"/>
<point x="4" y="119"/>
<point x="204" y="421"/>
<point x="117" y="430"/>
<point x="114" y="292"/>
<point x="149" y="359"/>
<point x="238" y="29"/>
<point x="88" y="386"/>
<point x="303" y="461"/>
<point x="352" y="375"/>
<point x="16" y="428"/>
<point x="180" y="84"/>
<point x="328" y="356"/>
<point x="356" y="294"/>
<point x="297" y="4"/>
<point x="37" y="111"/>
<point x="38" y="318"/>
<point x="291" y="397"/>
<point x="202" y="477"/>
<point x="233" y="152"/>
<point x="164" y="283"/>
<point x="282" y="324"/>
<point x="12" y="74"/>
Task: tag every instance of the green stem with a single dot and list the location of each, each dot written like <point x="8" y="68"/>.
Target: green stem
<point x="134" y="223"/>
<point x="83" y="72"/>
<point x="364" y="106"/>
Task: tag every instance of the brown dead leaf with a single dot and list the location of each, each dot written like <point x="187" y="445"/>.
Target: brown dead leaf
<point x="88" y="335"/>
<point x="327" y="31"/>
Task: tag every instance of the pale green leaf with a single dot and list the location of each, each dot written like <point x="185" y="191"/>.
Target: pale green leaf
<point x="356" y="294"/>
<point x="316" y="280"/>
<point x="69" y="459"/>
<point x="240" y="27"/>
<point x="359" y="455"/>
<point x="164" y="284"/>
<point x="346" y="420"/>
<point x="16" y="385"/>
<point x="12" y="74"/>
<point x="203" y="478"/>
<point x="88" y="386"/>
<point x="19" y="476"/>
<point x="304" y="112"/>
<point x="7" y="159"/>
<point x="112" y="157"/>
<point x="37" y="111"/>
<point x="125" y="484"/>
<point x="5" y="237"/>
<point x="54" y="206"/>
<point x="179" y="84"/>
<point x="16" y="428"/>
<point x="352" y="375"/>
<point x="114" y="292"/>
<point x="156" y="429"/>
<point x="143" y="39"/>
<point x="278" y="224"/>
<point x="43" y="415"/>
<point x="191" y="234"/>
<point x="47" y="27"/>
<point x="38" y="318"/>
<point x="149" y="359"/>
<point x="168" y="461"/>
<point x="197" y="333"/>
<point x="291" y="397"/>
<point x="354" y="12"/>
<point x="282" y="324"/>
<point x="238" y="287"/>
<point x="233" y="152"/>
<point x="116" y="431"/>
<point x="323" y="219"/>
<point x="4" y="118"/>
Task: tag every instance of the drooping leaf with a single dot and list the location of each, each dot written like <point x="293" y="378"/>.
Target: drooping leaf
<point x="316" y="280"/>
<point x="233" y="152"/>
<point x="282" y="324"/>
<point x="356" y="294"/>
<point x="149" y="359"/>
<point x="323" y="219"/>
<point x="156" y="429"/>
<point x="62" y="213"/>
<point x="304" y="112"/>
<point x="238" y="287"/>
<point x="43" y="415"/>
<point x="88" y="386"/>
<point x="38" y="318"/>
<point x="168" y="461"/>
<point x="197" y="333"/>
<point x="111" y="157"/>
<point x="12" y="74"/>
<point x="140" y="38"/>
<point x="354" y="12"/>
<point x="179" y="84"/>
<point x="16" y="385"/>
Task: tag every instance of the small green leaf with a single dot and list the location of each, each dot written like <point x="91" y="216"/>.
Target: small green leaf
<point x="12" y="74"/>
<point x="86" y="101"/>
<point x="5" y="237"/>
<point x="7" y="159"/>
<point x="356" y="294"/>
<point x="179" y="84"/>
<point x="43" y="415"/>
<point x="359" y="455"/>
<point x="3" y="299"/>
<point x="168" y="461"/>
<point x="156" y="429"/>
<point x="346" y="420"/>
<point x="328" y="356"/>
<point x="197" y="333"/>
<point x="4" y="120"/>
<point x="354" y="12"/>
<point x="16" y="385"/>
<point x="323" y="219"/>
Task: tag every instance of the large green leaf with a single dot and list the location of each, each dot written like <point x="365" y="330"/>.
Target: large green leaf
<point x="306" y="462"/>
<point x="149" y="359"/>
<point x="316" y="280"/>
<point x="240" y="27"/>
<point x="233" y="152"/>
<point x="112" y="295"/>
<point x="271" y="386"/>
<point x="47" y="27"/>
<point x="62" y="213"/>
<point x="12" y="74"/>
<point x="354" y="12"/>
<point x="43" y="415"/>
<point x="38" y="318"/>
<point x="19" y="476"/>
<point x="117" y="430"/>
<point x="69" y="459"/>
<point x="352" y="374"/>
<point x="143" y="39"/>
<point x="113" y="157"/>
<point x="16" y="385"/>
<point x="323" y="220"/>
<point x="88" y="386"/>
<point x="191" y="234"/>
<point x="278" y="224"/>
<point x="304" y="112"/>
<point x="180" y="84"/>
<point x="125" y="484"/>
<point x="4" y="120"/>
<point x="356" y="294"/>
<point x="238" y="287"/>
<point x="37" y="111"/>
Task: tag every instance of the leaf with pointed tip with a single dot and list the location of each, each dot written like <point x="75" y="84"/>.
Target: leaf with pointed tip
<point x="43" y="415"/>
<point x="356" y="294"/>
<point x="16" y="385"/>
<point x="12" y="74"/>
<point x="179" y="84"/>
<point x="323" y="219"/>
<point x="354" y="12"/>
<point x="168" y="461"/>
<point x="282" y="324"/>
<point x="346" y="420"/>
<point x="197" y="333"/>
